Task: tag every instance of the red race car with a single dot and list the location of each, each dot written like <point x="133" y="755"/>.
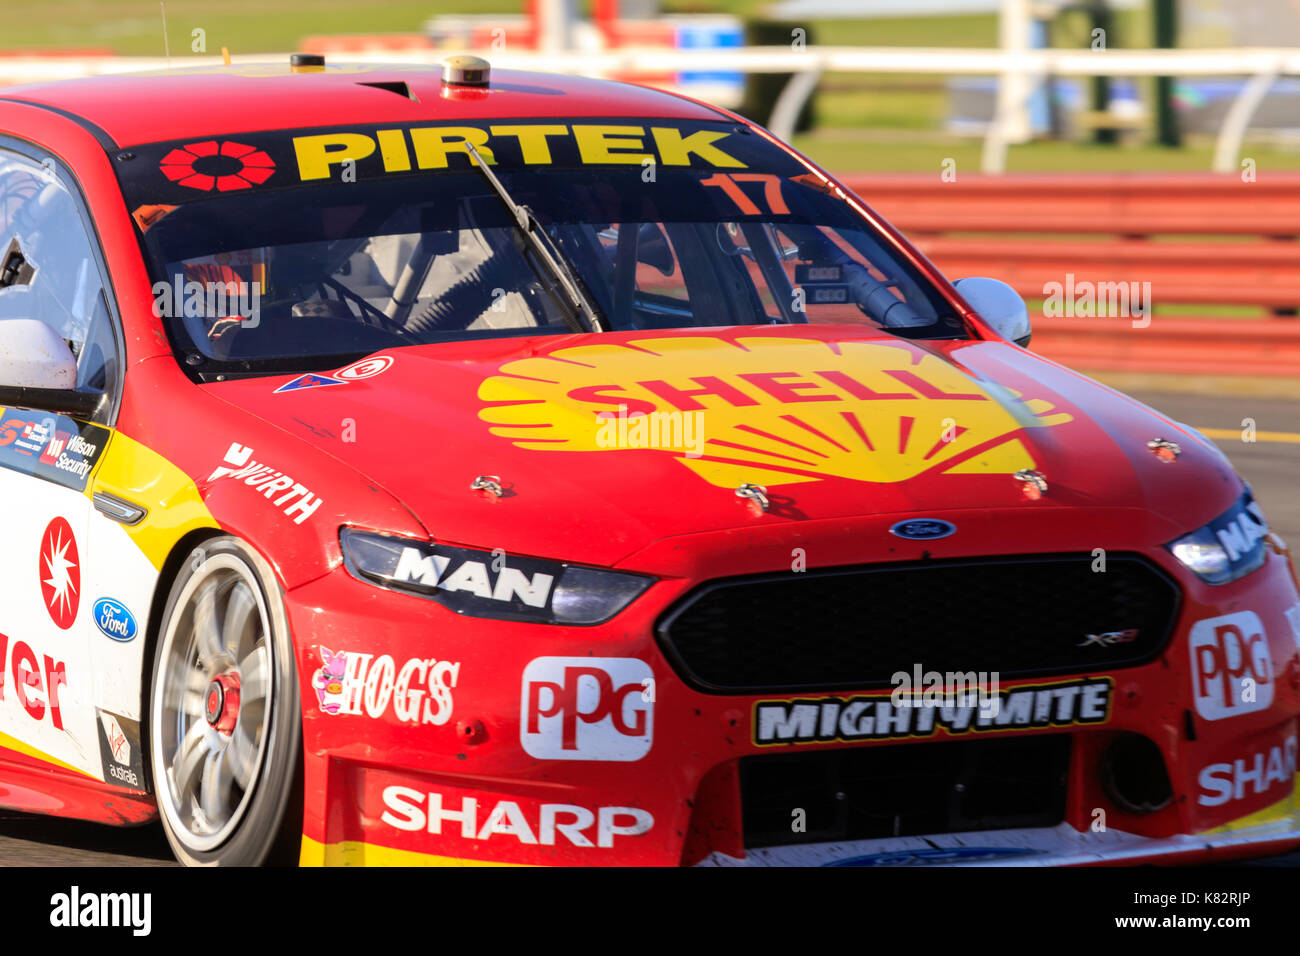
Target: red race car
<point x="508" y="468"/>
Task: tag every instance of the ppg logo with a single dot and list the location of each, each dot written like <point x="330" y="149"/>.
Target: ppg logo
<point x="1232" y="670"/>
<point x="587" y="708"/>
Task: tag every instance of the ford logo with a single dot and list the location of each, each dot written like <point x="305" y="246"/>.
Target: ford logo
<point x="923" y="529"/>
<point x="114" y="619"/>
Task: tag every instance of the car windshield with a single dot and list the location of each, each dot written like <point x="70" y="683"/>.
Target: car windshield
<point x="311" y="274"/>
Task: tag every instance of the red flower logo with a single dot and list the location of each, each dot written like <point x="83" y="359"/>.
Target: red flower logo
<point x="224" y="166"/>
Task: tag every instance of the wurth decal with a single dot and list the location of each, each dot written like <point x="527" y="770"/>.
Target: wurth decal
<point x="275" y="486"/>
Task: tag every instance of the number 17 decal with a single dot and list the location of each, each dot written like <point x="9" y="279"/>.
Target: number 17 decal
<point x="729" y="183"/>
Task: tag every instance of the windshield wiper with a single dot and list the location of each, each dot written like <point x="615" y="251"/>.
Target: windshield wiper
<point x="545" y="250"/>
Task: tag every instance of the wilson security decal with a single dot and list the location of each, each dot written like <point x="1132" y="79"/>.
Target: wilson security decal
<point x="50" y="447"/>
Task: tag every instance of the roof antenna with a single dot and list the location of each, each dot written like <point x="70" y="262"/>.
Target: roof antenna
<point x="166" y="49"/>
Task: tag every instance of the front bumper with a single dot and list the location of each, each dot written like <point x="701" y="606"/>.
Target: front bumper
<point x="433" y="738"/>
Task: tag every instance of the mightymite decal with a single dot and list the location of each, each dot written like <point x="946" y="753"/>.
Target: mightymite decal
<point x="774" y="410"/>
<point x="874" y="717"/>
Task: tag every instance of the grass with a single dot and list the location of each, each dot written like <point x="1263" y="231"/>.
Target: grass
<point x="1195" y="310"/>
<point x="1261" y="386"/>
<point x="865" y="123"/>
<point x="134" y="27"/>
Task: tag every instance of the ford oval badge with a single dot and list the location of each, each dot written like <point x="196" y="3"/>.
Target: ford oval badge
<point x="923" y="529"/>
<point x="114" y="619"/>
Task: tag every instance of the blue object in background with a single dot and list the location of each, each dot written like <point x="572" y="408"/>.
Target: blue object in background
<point x="1040" y="107"/>
<point x="706" y="37"/>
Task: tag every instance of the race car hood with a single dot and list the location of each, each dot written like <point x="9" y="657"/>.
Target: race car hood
<point x="603" y="444"/>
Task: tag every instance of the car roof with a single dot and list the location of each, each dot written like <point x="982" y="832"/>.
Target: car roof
<point x="134" y="108"/>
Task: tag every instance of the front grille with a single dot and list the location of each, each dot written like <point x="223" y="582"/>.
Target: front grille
<point x="856" y="627"/>
<point x="865" y="793"/>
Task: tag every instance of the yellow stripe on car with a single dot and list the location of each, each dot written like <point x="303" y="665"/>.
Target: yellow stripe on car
<point x="18" y="746"/>
<point x="138" y="474"/>
<point x="358" y="853"/>
<point x="1288" y="806"/>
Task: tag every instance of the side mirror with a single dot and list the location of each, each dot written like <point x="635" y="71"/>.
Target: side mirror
<point x="37" y="370"/>
<point x="999" y="305"/>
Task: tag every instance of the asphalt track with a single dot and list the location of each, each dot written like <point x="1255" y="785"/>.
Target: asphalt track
<point x="1271" y="464"/>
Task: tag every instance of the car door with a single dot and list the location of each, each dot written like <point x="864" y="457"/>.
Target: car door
<point x="52" y="272"/>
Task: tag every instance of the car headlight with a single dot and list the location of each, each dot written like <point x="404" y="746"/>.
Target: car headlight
<point x="1229" y="547"/>
<point x="491" y="583"/>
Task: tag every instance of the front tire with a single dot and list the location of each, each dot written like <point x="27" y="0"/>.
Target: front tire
<point x="225" y="721"/>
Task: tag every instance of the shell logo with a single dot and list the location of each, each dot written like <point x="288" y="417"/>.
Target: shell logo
<point x="772" y="410"/>
<point x="222" y="166"/>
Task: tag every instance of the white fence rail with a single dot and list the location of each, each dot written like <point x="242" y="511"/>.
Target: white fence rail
<point x="808" y="65"/>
